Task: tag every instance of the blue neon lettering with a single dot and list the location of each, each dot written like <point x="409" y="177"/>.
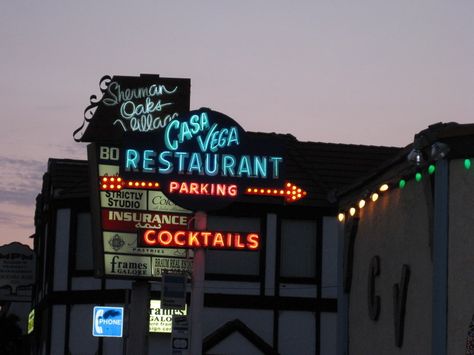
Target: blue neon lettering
<point x="203" y="145"/>
<point x="260" y="166"/>
<point x="207" y="168"/>
<point x="148" y="161"/>
<point x="195" y="164"/>
<point x="132" y="159"/>
<point x="168" y="166"/>
<point x="228" y="164"/>
<point x="244" y="166"/>
<point x="276" y="166"/>
<point x="171" y="145"/>
<point x="181" y="158"/>
<point x="233" y="137"/>
<point x="184" y="133"/>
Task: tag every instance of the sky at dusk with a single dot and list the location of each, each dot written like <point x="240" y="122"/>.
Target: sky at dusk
<point x="362" y="72"/>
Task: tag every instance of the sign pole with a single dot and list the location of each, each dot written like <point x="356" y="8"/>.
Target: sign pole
<point x="137" y="341"/>
<point x="197" y="288"/>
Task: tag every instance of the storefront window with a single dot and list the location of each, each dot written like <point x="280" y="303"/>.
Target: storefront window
<point x="231" y="262"/>
<point x="298" y="249"/>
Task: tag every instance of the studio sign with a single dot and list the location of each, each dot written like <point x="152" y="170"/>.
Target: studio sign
<point x="202" y="160"/>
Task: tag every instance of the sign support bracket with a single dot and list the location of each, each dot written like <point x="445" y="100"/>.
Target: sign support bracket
<point x="197" y="289"/>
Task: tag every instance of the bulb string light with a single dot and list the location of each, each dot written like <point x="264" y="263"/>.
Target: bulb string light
<point x="402" y="182"/>
<point x="115" y="183"/>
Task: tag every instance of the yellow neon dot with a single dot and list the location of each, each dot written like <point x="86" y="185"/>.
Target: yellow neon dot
<point x="352" y="211"/>
<point x="383" y="187"/>
<point x="150" y="184"/>
<point x="374" y="197"/>
<point x="282" y="192"/>
<point x="288" y="193"/>
<point x="157" y="184"/>
<point x="262" y="191"/>
<point x="119" y="187"/>
<point x="112" y="186"/>
<point x="104" y="186"/>
<point x="293" y="187"/>
<point x="299" y="190"/>
<point x="137" y="184"/>
<point x="299" y="195"/>
<point x="119" y="179"/>
<point x="104" y="179"/>
<point x="275" y="192"/>
<point x="130" y="183"/>
<point x="340" y="217"/>
<point x="269" y="191"/>
<point x="112" y="179"/>
<point x="288" y="184"/>
<point x="255" y="190"/>
<point x="293" y="198"/>
<point x="361" y="203"/>
<point x="143" y="184"/>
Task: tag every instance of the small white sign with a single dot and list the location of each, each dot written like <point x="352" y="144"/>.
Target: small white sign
<point x="173" y="291"/>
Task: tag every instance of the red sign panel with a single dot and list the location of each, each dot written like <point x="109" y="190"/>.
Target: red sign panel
<point x="181" y="238"/>
<point x="130" y="221"/>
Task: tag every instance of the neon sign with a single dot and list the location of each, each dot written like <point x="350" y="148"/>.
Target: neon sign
<point x="198" y="239"/>
<point x="202" y="160"/>
<point x="133" y="104"/>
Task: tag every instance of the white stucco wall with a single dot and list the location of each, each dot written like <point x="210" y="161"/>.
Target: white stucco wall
<point x="396" y="228"/>
<point x="461" y="255"/>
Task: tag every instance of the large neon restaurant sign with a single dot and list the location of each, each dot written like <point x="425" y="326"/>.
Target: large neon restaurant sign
<point x="203" y="160"/>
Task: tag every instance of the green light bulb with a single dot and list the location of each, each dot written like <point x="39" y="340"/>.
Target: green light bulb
<point x="402" y="183"/>
<point x="467" y="163"/>
<point x="431" y="169"/>
<point x="418" y="177"/>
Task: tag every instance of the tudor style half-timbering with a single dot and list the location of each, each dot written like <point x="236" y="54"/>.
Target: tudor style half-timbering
<point x="280" y="299"/>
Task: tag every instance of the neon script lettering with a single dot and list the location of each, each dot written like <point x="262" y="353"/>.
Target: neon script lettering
<point x="117" y="95"/>
<point x="144" y="115"/>
<point x="214" y="139"/>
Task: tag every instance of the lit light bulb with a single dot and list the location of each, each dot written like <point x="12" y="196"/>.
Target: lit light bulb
<point x="467" y="163"/>
<point x="352" y="211"/>
<point x="374" y="197"/>
<point x="383" y="187"/>
<point x="340" y="217"/>
<point x="361" y="203"/>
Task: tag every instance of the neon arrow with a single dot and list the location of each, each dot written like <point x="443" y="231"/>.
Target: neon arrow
<point x="291" y="192"/>
<point x="117" y="183"/>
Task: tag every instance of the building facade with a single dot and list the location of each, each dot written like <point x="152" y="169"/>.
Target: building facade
<point x="281" y="299"/>
<point x="407" y="259"/>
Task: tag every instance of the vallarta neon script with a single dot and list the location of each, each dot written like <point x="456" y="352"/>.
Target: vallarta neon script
<point x="140" y="104"/>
